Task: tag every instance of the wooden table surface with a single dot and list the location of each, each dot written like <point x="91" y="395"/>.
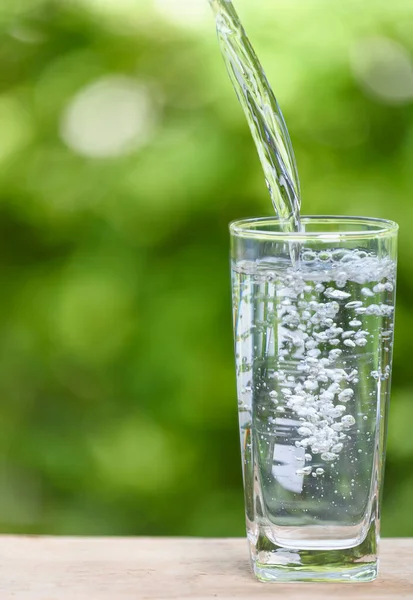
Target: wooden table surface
<point x="46" y="568"/>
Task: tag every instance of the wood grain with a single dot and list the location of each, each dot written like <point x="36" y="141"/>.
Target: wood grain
<point x="46" y="568"/>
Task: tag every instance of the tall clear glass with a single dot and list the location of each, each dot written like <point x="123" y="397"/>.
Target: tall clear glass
<point x="313" y="321"/>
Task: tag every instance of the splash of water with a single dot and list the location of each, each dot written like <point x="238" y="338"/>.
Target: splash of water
<point x="264" y="116"/>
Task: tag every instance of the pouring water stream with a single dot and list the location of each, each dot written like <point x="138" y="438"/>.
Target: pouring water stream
<point x="263" y="114"/>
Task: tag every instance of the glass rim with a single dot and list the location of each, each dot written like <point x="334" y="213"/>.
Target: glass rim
<point x="249" y="228"/>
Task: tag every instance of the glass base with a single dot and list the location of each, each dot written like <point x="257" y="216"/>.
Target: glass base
<point x="274" y="562"/>
<point x="325" y="573"/>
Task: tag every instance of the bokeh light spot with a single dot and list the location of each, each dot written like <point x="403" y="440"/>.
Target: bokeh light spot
<point x="186" y="13"/>
<point x="110" y="117"/>
<point x="384" y="69"/>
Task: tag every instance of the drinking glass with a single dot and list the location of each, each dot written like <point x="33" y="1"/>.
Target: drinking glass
<point x="313" y="321"/>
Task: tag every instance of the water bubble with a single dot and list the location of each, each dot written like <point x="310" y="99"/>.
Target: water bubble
<point x="349" y="343"/>
<point x="339" y="254"/>
<point x="319" y="471"/>
<point x="311" y="344"/>
<point x="354" y="304"/>
<point x="308" y="257"/>
<point x="326" y="396"/>
<point x="348" y="421"/>
<point x="280" y="409"/>
<point x="273" y="394"/>
<point x="319" y="288"/>
<point x="307" y="470"/>
<point x="328" y="456"/>
<point x="373" y="309"/>
<point x="334" y="331"/>
<point x="367" y="293"/>
<point x="336" y="294"/>
<point x="365" y="418"/>
<point x="334" y="354"/>
<point x="346" y="395"/>
<point x="311" y="385"/>
<point x="355" y="323"/>
<point x="305" y="431"/>
<point x="337" y="447"/>
<point x="333" y="388"/>
<point x="324" y="256"/>
<point x="308" y="457"/>
<point x="334" y="342"/>
<point x="361" y="342"/>
<point x="351" y="376"/>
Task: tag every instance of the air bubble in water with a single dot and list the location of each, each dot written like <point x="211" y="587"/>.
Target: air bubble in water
<point x="308" y="257"/>
<point x="349" y="343"/>
<point x="348" y="421"/>
<point x="324" y="256"/>
<point x="336" y="294"/>
<point x="311" y="385"/>
<point x="367" y="293"/>
<point x="346" y="395"/>
<point x="354" y="304"/>
<point x="319" y="471"/>
<point x="334" y="354"/>
<point x="328" y="456"/>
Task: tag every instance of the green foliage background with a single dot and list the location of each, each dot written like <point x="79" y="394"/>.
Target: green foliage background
<point x="118" y="410"/>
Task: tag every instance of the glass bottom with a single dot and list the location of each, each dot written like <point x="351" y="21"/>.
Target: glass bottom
<point x="275" y="563"/>
<point x="325" y="573"/>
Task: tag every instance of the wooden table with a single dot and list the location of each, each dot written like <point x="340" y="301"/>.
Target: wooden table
<point x="45" y="568"/>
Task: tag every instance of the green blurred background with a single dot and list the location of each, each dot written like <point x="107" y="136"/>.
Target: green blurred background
<point x="123" y="156"/>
